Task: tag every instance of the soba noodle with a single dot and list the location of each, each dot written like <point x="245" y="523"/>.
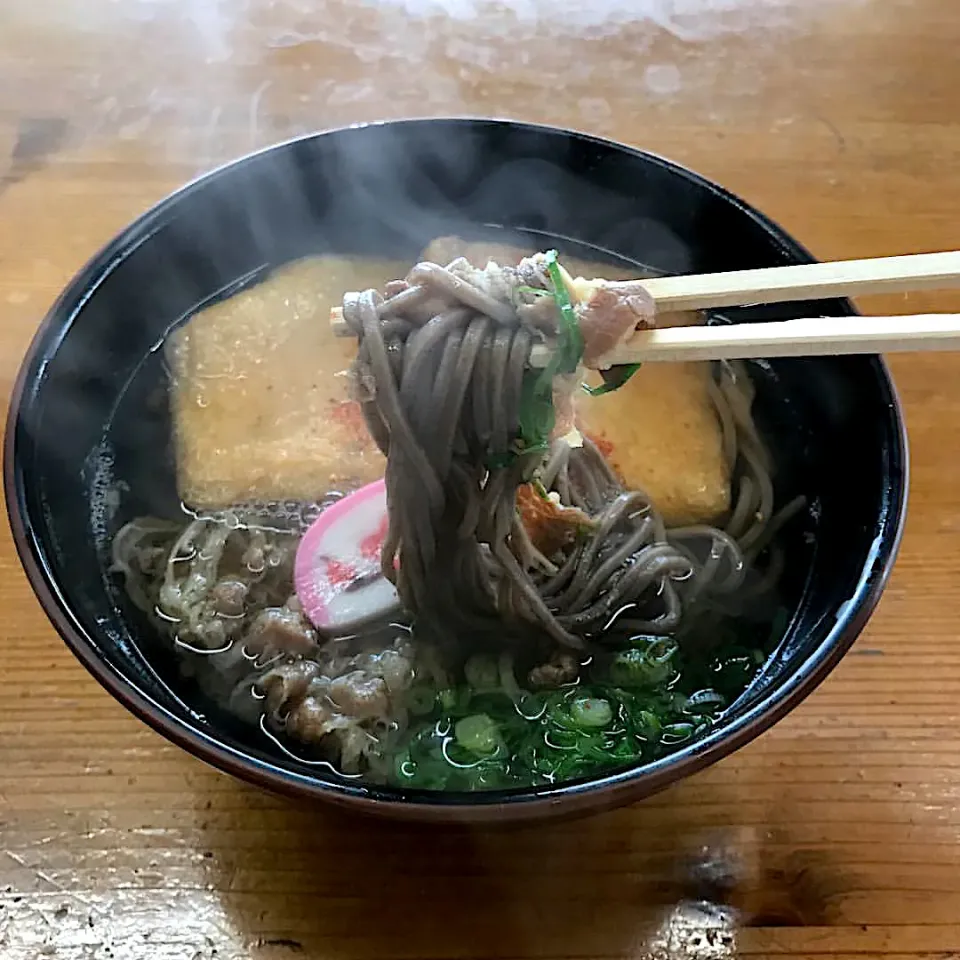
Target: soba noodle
<point x="440" y="372"/>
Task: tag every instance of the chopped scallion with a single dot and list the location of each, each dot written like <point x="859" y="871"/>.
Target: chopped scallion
<point x="591" y="713"/>
<point x="478" y="734"/>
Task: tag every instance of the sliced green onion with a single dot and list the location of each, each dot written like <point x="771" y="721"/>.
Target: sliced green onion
<point x="537" y="416"/>
<point x="648" y="724"/>
<point x="404" y="769"/>
<point x="641" y="668"/>
<point x="591" y="713"/>
<point x="661" y="650"/>
<point x="675" y="733"/>
<point x="570" y="342"/>
<point x="559" y="739"/>
<point x="613" y="379"/>
<point x="704" y="700"/>
<point x="478" y="734"/>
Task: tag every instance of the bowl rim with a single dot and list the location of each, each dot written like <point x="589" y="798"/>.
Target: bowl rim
<point x="517" y="803"/>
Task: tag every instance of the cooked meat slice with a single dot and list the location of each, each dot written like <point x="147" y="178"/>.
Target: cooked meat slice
<point x="357" y="694"/>
<point x="286" y="682"/>
<point x="313" y="718"/>
<point x="561" y="668"/>
<point x="608" y="316"/>
<point x="228" y="597"/>
<point x="394" y="665"/>
<point x="280" y="629"/>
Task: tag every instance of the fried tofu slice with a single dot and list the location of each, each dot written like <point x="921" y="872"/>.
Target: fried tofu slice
<point x="259" y="390"/>
<point x="660" y="434"/>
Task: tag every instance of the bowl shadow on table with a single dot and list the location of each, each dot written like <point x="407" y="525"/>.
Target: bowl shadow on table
<point x="674" y="872"/>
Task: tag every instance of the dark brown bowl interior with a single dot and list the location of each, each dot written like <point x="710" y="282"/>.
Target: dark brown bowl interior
<point x="833" y="424"/>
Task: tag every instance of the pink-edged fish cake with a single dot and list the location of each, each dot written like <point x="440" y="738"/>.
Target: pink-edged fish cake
<point x="337" y="573"/>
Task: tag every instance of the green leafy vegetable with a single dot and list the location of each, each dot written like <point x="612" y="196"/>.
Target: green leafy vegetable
<point x="628" y="707"/>
<point x="644" y="666"/>
<point x="570" y="340"/>
<point x="704" y="701"/>
<point x="591" y="712"/>
<point x="478" y="734"/>
<point x="613" y="379"/>
<point x="537" y="415"/>
<point x="676" y="733"/>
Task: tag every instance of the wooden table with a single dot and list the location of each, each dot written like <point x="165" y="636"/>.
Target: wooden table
<point x="840" y="828"/>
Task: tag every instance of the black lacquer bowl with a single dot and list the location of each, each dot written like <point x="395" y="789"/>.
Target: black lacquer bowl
<point x="833" y="424"/>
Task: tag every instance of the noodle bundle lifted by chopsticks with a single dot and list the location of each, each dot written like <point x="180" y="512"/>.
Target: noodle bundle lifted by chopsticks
<point x="466" y="425"/>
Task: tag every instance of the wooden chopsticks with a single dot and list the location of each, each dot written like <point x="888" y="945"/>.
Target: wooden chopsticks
<point x="811" y="337"/>
<point x="809" y="281"/>
<point x="815" y="336"/>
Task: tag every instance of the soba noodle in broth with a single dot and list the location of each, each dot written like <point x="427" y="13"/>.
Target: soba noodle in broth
<point x="554" y="626"/>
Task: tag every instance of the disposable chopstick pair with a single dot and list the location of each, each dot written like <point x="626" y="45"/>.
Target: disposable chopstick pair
<point x="814" y="336"/>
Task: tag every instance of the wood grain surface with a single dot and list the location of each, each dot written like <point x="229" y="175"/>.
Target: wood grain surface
<point x="837" y="834"/>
